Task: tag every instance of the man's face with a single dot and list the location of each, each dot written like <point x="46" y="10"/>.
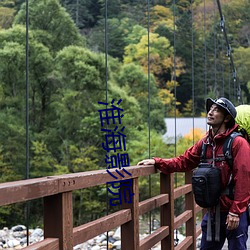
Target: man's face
<point x="215" y="116"/>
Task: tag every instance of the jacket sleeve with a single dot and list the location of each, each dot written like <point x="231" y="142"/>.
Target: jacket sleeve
<point x="185" y="162"/>
<point x="241" y="175"/>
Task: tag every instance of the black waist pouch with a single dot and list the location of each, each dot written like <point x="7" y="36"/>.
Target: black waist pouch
<point x="206" y="183"/>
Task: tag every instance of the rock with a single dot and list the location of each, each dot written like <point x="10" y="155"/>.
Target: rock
<point x="111" y="233"/>
<point x="16" y="238"/>
<point x="111" y="240"/>
<point x="3" y="233"/>
<point x="18" y="234"/>
<point x="18" y="228"/>
<point x="18" y="247"/>
<point x="91" y="242"/>
<point x="13" y="243"/>
<point x="95" y="248"/>
<point x="100" y="238"/>
<point x="38" y="232"/>
<point x="81" y="246"/>
<point x="23" y="240"/>
<point x="117" y="235"/>
<point x="103" y="243"/>
<point x="117" y="244"/>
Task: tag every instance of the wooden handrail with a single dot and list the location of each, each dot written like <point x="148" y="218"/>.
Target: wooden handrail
<point x="46" y="244"/>
<point x="24" y="190"/>
<point x="58" y="209"/>
<point x="91" y="229"/>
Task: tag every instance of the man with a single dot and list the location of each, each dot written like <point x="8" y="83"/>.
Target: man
<point x="221" y="115"/>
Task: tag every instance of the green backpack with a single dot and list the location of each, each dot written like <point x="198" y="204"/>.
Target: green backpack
<point x="243" y="120"/>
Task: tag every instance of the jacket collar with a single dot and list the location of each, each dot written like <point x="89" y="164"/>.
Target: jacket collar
<point x="221" y="136"/>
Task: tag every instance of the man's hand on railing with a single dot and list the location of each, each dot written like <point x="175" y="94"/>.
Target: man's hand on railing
<point x="146" y="162"/>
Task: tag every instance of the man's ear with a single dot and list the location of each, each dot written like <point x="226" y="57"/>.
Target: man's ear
<point x="228" y="118"/>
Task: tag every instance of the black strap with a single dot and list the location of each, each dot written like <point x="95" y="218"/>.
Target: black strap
<point x="217" y="223"/>
<point x="227" y="151"/>
<point x="222" y="158"/>
<point x="209" y="225"/>
<point x="203" y="152"/>
<point x="227" y="148"/>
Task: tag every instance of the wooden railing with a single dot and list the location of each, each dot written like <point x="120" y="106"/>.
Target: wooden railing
<point x="59" y="232"/>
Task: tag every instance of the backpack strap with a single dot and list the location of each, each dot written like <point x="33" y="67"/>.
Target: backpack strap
<point x="203" y="158"/>
<point x="227" y="148"/>
<point x="217" y="207"/>
<point x="203" y="152"/>
<point x="227" y="151"/>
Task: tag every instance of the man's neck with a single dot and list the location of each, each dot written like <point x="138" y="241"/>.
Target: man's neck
<point x="216" y="130"/>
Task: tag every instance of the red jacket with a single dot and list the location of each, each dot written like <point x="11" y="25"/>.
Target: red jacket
<point x="241" y="167"/>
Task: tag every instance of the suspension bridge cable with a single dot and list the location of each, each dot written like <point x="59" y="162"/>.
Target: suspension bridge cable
<point x="174" y="80"/>
<point x="77" y="13"/>
<point x="205" y="49"/>
<point x="215" y="52"/>
<point x="27" y="207"/>
<point x="229" y="83"/>
<point x="192" y="73"/>
<point x="106" y="49"/>
<point x="221" y="68"/>
<point x="229" y="53"/>
<point x="149" y="121"/>
<point x="174" y="72"/>
<point x="175" y="95"/>
<point x="106" y="93"/>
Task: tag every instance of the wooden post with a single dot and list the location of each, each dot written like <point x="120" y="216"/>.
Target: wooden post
<point x="167" y="210"/>
<point x="190" y="205"/>
<point x="58" y="219"/>
<point x="130" y="230"/>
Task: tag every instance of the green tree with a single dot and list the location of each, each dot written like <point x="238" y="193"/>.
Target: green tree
<point x="40" y="60"/>
<point x="84" y="13"/>
<point x="6" y="17"/>
<point x="117" y="31"/>
<point x="53" y="25"/>
<point x="237" y="21"/>
<point x="161" y="16"/>
<point x="132" y="9"/>
<point x="79" y="74"/>
<point x="12" y="108"/>
<point x="161" y="57"/>
<point x="13" y="148"/>
<point x="136" y="82"/>
<point x="241" y="56"/>
<point x="42" y="162"/>
<point x="40" y="67"/>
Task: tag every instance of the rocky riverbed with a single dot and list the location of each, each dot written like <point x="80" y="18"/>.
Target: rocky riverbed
<point x="16" y="238"/>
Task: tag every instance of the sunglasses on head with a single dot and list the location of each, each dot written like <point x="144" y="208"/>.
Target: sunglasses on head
<point x="221" y="102"/>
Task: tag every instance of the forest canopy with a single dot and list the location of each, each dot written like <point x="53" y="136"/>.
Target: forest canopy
<point x="161" y="60"/>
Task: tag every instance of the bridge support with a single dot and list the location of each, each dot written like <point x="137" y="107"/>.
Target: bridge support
<point x="58" y="219"/>
<point x="167" y="210"/>
<point x="130" y="230"/>
<point x="190" y="205"/>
